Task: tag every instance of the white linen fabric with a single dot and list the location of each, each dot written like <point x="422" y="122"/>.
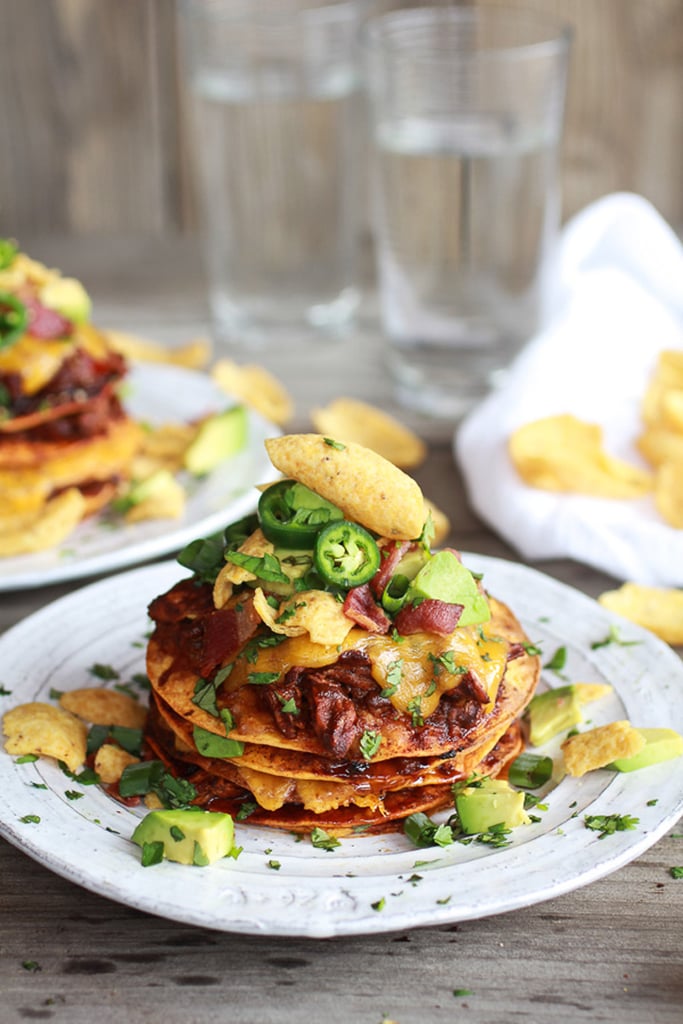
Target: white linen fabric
<point x="617" y="304"/>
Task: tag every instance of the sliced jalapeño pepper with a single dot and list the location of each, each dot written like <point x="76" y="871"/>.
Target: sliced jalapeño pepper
<point x="346" y="555"/>
<point x="13" y="319"/>
<point x="291" y="515"/>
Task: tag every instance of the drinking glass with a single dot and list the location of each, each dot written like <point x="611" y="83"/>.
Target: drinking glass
<point x="272" y="99"/>
<point x="466" y="107"/>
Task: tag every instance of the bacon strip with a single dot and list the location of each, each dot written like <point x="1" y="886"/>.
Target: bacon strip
<point x="391" y="552"/>
<point x="429" y="616"/>
<point x="361" y="607"/>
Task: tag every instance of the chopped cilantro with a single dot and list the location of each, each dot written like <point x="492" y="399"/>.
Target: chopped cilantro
<point x="205" y="696"/>
<point x="26" y="759"/>
<point x="379" y="904"/>
<point x="275" y="865"/>
<point x="558" y="660"/>
<point x="323" y="841"/>
<point x="608" y="824"/>
<point x="415" y="708"/>
<point x="4" y="692"/>
<point x="370" y="743"/>
<point x="31" y="965"/>
<point x="104" y="672"/>
<point x="337" y="445"/>
<point x="422" y="831"/>
<point x="73" y="794"/>
<point x="246" y="808"/>
<point x="176" y="834"/>
<point x="613" y="637"/>
<point x="459" y="992"/>
<point x="676" y="872"/>
<point x="30" y="819"/>
<point x="288" y="705"/>
<point x="263" y="678"/>
<point x="152" y="853"/>
<point x="266" y="567"/>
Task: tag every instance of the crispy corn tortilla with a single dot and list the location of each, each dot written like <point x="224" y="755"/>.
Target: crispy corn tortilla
<point x="368" y="489"/>
<point x="174" y="684"/>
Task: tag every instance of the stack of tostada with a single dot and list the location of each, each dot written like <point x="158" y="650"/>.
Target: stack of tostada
<point x="65" y="440"/>
<point x="323" y="667"/>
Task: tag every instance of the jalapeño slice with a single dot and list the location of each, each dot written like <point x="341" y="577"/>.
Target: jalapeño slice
<point x="13" y="319"/>
<point x="346" y="555"/>
<point x="291" y="515"/>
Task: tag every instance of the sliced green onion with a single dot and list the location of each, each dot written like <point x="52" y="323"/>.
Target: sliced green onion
<point x="529" y="771"/>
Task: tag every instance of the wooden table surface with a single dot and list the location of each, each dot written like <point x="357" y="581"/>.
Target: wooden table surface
<point x="611" y="951"/>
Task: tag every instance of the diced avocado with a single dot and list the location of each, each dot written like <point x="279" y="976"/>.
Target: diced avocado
<point x="445" y="578"/>
<point x="552" y="712"/>
<point x="300" y="496"/>
<point x="189" y="836"/>
<point x="660" y="745"/>
<point x="412" y="562"/>
<point x="152" y="486"/>
<point x="219" y="437"/>
<point x="491" y="802"/>
<point x="67" y="296"/>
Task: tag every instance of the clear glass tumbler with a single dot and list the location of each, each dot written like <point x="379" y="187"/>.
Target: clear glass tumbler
<point x="272" y="99"/>
<point x="467" y="110"/>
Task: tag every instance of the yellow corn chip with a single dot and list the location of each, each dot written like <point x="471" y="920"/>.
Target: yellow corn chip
<point x="586" y="751"/>
<point x="256" y="387"/>
<point x="110" y="762"/>
<point x="563" y="453"/>
<point x="104" y="707"/>
<point x="588" y="692"/>
<point x="659" y="609"/>
<point x="195" y="355"/>
<point x="350" y="420"/>
<point x="44" y="729"/>
<point x="659" y="445"/>
<point x="669" y="493"/>
<point x="368" y="489"/>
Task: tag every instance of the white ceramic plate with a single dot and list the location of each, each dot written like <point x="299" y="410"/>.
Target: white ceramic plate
<point x="157" y="394"/>
<point x="368" y="884"/>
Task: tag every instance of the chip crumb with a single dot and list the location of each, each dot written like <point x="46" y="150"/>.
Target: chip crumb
<point x="110" y="761"/>
<point x="598" y="747"/>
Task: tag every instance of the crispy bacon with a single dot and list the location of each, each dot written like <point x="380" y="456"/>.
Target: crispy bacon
<point x="429" y="616"/>
<point x="44" y="322"/>
<point x="361" y="607"/>
<point x="201" y="635"/>
<point x="391" y="553"/>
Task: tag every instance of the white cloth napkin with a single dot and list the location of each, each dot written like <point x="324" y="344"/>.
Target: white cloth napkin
<point x="619" y="302"/>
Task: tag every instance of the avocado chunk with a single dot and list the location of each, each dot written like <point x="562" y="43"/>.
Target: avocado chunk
<point x="219" y="437"/>
<point x="660" y="745"/>
<point x="491" y="802"/>
<point x="160" y="483"/>
<point x="67" y="296"/>
<point x="189" y="836"/>
<point x="445" y="578"/>
<point x="552" y="712"/>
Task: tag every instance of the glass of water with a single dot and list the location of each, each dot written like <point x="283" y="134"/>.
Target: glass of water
<point x="272" y="101"/>
<point x="467" y="110"/>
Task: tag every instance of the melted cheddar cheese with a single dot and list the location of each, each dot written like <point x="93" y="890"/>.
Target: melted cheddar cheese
<point x="414" y="671"/>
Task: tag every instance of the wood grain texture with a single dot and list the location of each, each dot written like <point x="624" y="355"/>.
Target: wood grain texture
<point x="611" y="951"/>
<point x="94" y="137"/>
